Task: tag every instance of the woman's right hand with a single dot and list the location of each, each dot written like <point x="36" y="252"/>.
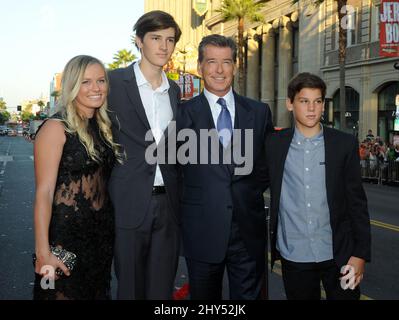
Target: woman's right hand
<point x="45" y="261"/>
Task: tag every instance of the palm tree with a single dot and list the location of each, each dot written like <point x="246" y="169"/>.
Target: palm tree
<point x="240" y="10"/>
<point x="55" y="94"/>
<point x="3" y="105"/>
<point x="341" y="56"/>
<point x="121" y="59"/>
<point x="41" y="104"/>
<point x="114" y="65"/>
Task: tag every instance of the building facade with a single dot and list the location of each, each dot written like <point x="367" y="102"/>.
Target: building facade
<point x="304" y="38"/>
<point x="371" y="81"/>
<point x="192" y="26"/>
<point x="55" y="87"/>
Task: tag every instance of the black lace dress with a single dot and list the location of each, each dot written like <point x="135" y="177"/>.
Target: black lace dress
<point x="82" y="220"/>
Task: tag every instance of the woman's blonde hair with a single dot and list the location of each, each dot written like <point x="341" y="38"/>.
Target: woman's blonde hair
<point x="75" y="122"/>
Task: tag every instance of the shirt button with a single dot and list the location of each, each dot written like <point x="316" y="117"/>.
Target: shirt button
<point x="307" y="169"/>
<point x="307" y="187"/>
<point x="299" y="142"/>
<point x="310" y="222"/>
<point x="307" y="151"/>
<point x="308" y="205"/>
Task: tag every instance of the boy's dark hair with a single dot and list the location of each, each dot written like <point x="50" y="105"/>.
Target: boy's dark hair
<point x="217" y="40"/>
<point x="305" y="80"/>
<point x="156" y="20"/>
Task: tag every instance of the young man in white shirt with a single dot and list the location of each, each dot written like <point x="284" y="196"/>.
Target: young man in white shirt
<point x="145" y="196"/>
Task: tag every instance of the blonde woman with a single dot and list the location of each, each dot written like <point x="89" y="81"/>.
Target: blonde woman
<point x="74" y="154"/>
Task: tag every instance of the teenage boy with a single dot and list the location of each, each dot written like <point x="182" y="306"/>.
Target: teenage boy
<point x="145" y="196"/>
<point x="319" y="225"/>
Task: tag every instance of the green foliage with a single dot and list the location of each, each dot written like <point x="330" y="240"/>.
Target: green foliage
<point x="3" y="105"/>
<point x="28" y="108"/>
<point x="4" y="116"/>
<point x="121" y="59"/>
<point x="55" y="93"/>
<point x="27" y="115"/>
<point x="236" y="9"/>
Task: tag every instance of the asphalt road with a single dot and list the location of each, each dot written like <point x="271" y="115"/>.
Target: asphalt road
<point x="17" y="242"/>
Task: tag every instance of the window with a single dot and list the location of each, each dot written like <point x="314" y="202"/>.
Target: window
<point x="375" y="23"/>
<point x="351" y="111"/>
<point x="387" y="110"/>
<point x="352" y="26"/>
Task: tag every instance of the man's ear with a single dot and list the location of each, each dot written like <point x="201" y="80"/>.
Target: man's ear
<point x="138" y="42"/>
<point x="289" y="104"/>
<point x="199" y="68"/>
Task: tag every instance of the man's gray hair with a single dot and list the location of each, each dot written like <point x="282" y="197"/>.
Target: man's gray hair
<point x="217" y="40"/>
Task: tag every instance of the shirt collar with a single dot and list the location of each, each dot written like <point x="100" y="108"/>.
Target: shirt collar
<point x="141" y="80"/>
<point x="299" y="137"/>
<point x="213" y="98"/>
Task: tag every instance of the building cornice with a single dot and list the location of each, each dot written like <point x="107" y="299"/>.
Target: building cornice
<point x="361" y="63"/>
<point x="215" y="19"/>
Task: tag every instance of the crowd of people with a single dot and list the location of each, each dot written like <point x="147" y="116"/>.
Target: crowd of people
<point x="376" y="154"/>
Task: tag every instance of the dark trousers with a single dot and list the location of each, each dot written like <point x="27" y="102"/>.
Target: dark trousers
<point x="245" y="274"/>
<point x="302" y="281"/>
<point x="146" y="258"/>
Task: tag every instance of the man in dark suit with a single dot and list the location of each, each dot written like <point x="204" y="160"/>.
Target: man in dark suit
<point x="319" y="223"/>
<point x="222" y="209"/>
<point x="145" y="196"/>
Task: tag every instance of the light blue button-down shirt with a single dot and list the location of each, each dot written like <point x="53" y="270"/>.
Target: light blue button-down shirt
<point x="304" y="232"/>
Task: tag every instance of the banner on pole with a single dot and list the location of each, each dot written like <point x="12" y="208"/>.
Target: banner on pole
<point x="200" y="7"/>
<point x="389" y="28"/>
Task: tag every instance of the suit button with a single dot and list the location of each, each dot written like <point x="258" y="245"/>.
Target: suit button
<point x="229" y="207"/>
<point x="151" y="173"/>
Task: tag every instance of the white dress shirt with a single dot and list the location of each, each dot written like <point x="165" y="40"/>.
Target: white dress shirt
<point x="216" y="107"/>
<point x="157" y="109"/>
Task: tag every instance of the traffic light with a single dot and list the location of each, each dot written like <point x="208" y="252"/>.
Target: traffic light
<point x="19" y="108"/>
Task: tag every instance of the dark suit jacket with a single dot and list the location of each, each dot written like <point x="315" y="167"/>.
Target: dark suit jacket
<point x="212" y="192"/>
<point x="131" y="183"/>
<point x="349" y="218"/>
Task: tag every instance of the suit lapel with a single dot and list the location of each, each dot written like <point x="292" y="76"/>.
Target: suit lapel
<point x="134" y="95"/>
<point x="243" y="119"/>
<point x="173" y="99"/>
<point x="329" y="159"/>
<point x="205" y="120"/>
<point x="172" y="92"/>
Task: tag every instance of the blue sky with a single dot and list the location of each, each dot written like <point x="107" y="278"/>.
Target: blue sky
<point x="38" y="37"/>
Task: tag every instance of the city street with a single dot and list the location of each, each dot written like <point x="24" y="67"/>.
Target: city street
<point x="381" y="280"/>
